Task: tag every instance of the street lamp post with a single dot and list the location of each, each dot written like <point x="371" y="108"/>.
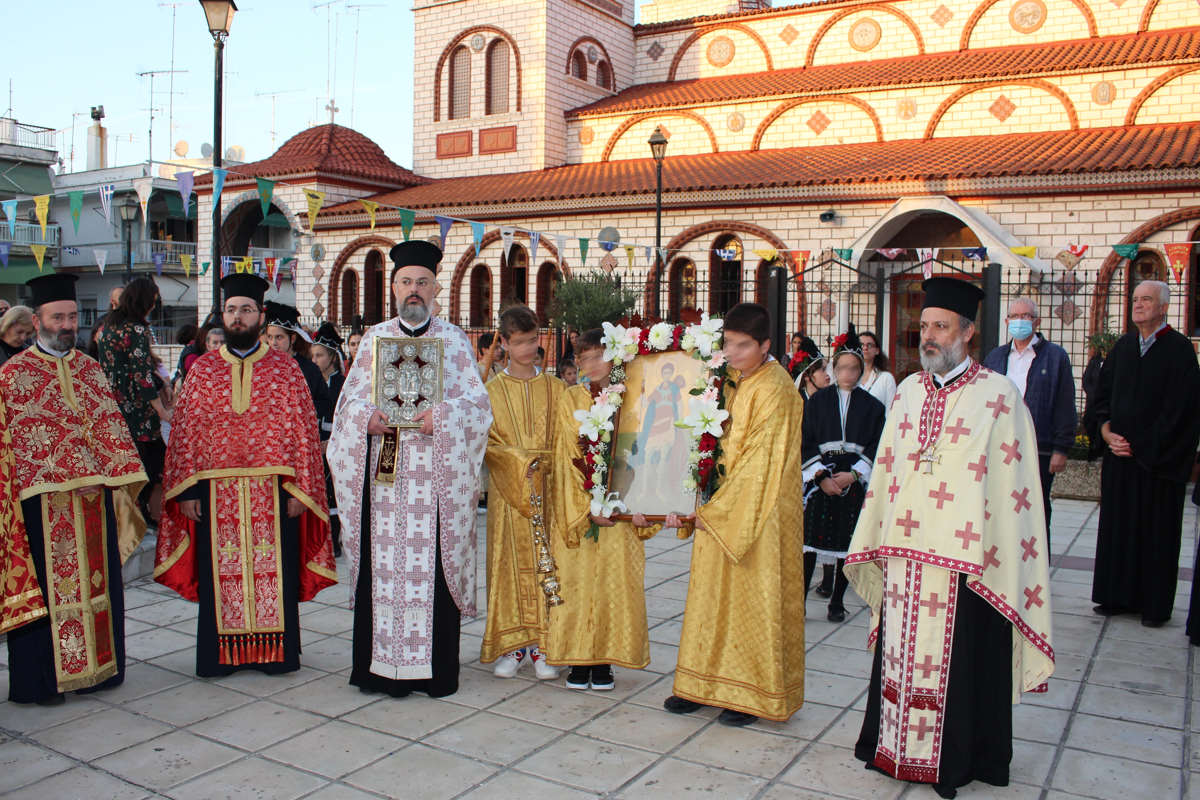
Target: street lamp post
<point x="129" y="211"/>
<point x="658" y="149"/>
<point x="219" y="14"/>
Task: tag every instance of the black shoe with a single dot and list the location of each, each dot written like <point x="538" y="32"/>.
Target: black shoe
<point x="1154" y="623"/>
<point x="836" y="614"/>
<point x="736" y="719"/>
<point x="678" y="705"/>
<point x="602" y="678"/>
<point x="53" y="700"/>
<point x="577" y="678"/>
<point x="1107" y="611"/>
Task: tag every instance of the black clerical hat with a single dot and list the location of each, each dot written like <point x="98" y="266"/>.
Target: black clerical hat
<point x="953" y="295"/>
<point x="241" y="284"/>
<point x="286" y="317"/>
<point x="48" y="288"/>
<point x="416" y="253"/>
<point x="328" y="337"/>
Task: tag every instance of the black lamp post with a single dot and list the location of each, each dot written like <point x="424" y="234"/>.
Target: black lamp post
<point x="219" y="14"/>
<point x="129" y="212"/>
<point x="658" y="149"/>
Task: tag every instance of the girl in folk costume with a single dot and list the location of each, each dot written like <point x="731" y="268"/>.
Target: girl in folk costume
<point x="876" y="379"/>
<point x="807" y="368"/>
<point x="842" y="425"/>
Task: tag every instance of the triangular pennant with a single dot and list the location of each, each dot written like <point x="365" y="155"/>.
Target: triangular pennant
<point x="629" y="255"/>
<point x="726" y="253"/>
<point x="506" y="238"/>
<point x="1067" y="259"/>
<point x="583" y="248"/>
<point x="186" y="260"/>
<point x="106" y="196"/>
<point x="925" y="258"/>
<point x="266" y="189"/>
<point x="159" y="259"/>
<point x="1177" y="256"/>
<point x="477" y="229"/>
<point x="560" y="244"/>
<point x="76" y="200"/>
<point x="975" y="253"/>
<point x="41" y="207"/>
<point x="204" y="265"/>
<point x="534" y="238"/>
<point x="101" y="256"/>
<point x="143" y="187"/>
<point x="444" y="224"/>
<point x="890" y="253"/>
<point x="247" y="265"/>
<point x="844" y="254"/>
<point x="4" y="253"/>
<point x="649" y="253"/>
<point x="662" y="254"/>
<point x="1028" y="251"/>
<point x="767" y="253"/>
<point x="1129" y="251"/>
<point x="39" y="253"/>
<point x="315" y="201"/>
<point x="370" y="206"/>
<point x="185" y="181"/>
<point x="269" y="264"/>
<point x="799" y="260"/>
<point x="407" y="218"/>
<point x="10" y="211"/>
<point x="218" y="184"/>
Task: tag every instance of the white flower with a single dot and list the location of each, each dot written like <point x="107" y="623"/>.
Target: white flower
<point x="603" y="505"/>
<point x="694" y="457"/>
<point x="709" y="395"/>
<point x="660" y="336"/>
<point x="689" y="485"/>
<point x="594" y="420"/>
<point x="687" y="341"/>
<point x="614" y="339"/>
<point x="718" y="359"/>
<point x="706" y="418"/>
<point x="704" y="336"/>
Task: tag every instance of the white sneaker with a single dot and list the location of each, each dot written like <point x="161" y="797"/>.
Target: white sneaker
<point x="508" y="664"/>
<point x="544" y="671"/>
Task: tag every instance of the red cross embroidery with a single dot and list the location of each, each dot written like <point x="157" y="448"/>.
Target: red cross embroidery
<point x="915" y="457"/>
<point x="887" y="459"/>
<point x="1011" y="450"/>
<point x="1030" y="547"/>
<point x="968" y="535"/>
<point x="998" y="407"/>
<point x="892" y="659"/>
<point x="894" y="595"/>
<point x="920" y="728"/>
<point x="889" y="714"/>
<point x="1022" y="499"/>
<point x="927" y="666"/>
<point x="893" y="490"/>
<point x="989" y="558"/>
<point x="979" y="469"/>
<point x="933" y="604"/>
<point x="908" y="523"/>
<point x="904" y="427"/>
<point x="958" y="430"/>
<point x="1034" y="597"/>
<point x="941" y="496"/>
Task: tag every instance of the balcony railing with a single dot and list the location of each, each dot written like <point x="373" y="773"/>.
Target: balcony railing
<point x="270" y="252"/>
<point x="27" y="233"/>
<point x="22" y="135"/>
<point x="81" y="255"/>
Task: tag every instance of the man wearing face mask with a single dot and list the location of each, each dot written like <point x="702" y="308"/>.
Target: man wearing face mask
<point x="1042" y="372"/>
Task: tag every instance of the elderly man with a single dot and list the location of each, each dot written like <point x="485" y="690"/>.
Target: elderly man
<point x="950" y="554"/>
<point x="1146" y="408"/>
<point x="1042" y="372"/>
<point x="406" y="498"/>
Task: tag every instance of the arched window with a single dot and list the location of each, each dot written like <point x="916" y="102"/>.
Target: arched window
<point x="579" y="65"/>
<point x="460" y="83"/>
<point x="349" y="296"/>
<point x="545" y="291"/>
<point x="725" y="274"/>
<point x="497" y="78"/>
<point x="681" y="295"/>
<point x="514" y="277"/>
<point x="604" y="75"/>
<point x="373" y="288"/>
<point x="481" y="296"/>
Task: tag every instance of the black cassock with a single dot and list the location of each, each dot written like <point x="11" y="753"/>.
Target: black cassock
<point x="1151" y="401"/>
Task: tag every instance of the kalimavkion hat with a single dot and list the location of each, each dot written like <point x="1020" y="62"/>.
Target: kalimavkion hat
<point x="49" y="288"/>
<point x="416" y="253"/>
<point x="241" y="284"/>
<point x="952" y="295"/>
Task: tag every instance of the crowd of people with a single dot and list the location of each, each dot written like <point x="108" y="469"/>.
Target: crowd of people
<point x="267" y="455"/>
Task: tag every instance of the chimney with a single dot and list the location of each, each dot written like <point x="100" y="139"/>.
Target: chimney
<point x="97" y="147"/>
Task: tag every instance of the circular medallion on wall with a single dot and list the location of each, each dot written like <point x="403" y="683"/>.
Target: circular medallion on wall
<point x="864" y="34"/>
<point x="1026" y="16"/>
<point x="587" y="135"/>
<point x="317" y="251"/>
<point x="735" y="122"/>
<point x="720" y="51"/>
<point x="906" y="108"/>
<point x="593" y="55"/>
<point x="1104" y="93"/>
<point x="477" y="42"/>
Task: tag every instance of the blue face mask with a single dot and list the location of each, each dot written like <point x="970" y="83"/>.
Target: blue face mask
<point x="1020" y="328"/>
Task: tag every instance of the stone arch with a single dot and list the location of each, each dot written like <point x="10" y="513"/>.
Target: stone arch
<point x="339" y="265"/>
<point x="688" y="42"/>
<point x="468" y="259"/>
<point x="580" y="42"/>
<point x="788" y="105"/>
<point x="964" y="41"/>
<point x="1036" y="83"/>
<point x="457" y="40"/>
<point x="1152" y="87"/>
<point x="1112" y="261"/>
<point x="841" y="15"/>
<point x="629" y="122"/>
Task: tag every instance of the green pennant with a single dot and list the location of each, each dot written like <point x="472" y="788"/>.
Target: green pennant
<point x="407" y="218"/>
<point x="583" y="248"/>
<point x="76" y="207"/>
<point x="844" y="253"/>
<point x="1129" y="251"/>
<point x="204" y="267"/>
<point x="265" y="189"/>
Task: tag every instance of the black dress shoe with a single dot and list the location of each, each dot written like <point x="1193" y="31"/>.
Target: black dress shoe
<point x="736" y="719"/>
<point x="836" y="614"/>
<point x="679" y="705"/>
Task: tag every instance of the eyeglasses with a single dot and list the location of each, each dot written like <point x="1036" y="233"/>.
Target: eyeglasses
<point x="240" y="311"/>
<point x="420" y="283"/>
<point x="1025" y="315"/>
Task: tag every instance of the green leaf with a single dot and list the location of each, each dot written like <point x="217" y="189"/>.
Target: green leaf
<point x="695" y="392"/>
<point x="593" y="532"/>
<point x="586" y="301"/>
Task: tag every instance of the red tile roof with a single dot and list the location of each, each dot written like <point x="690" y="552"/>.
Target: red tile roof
<point x="707" y="19"/>
<point x="1144" y="147"/>
<point x="1156" y="48"/>
<point x="328" y="150"/>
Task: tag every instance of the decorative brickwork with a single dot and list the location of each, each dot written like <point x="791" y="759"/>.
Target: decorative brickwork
<point x="964" y="41"/>
<point x="841" y="15"/>
<point x="1154" y="86"/>
<point x="783" y="108"/>
<point x="462" y="36"/>
<point x="688" y="42"/>
<point x="456" y="144"/>
<point x="631" y="121"/>
<point x="1036" y="83"/>
<point x="469" y="258"/>
<point x="343" y="258"/>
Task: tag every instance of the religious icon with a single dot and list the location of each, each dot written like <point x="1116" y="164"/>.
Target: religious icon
<point x="407" y="378"/>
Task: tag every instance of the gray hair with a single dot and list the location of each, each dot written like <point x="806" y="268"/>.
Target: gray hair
<point x="17" y="315"/>
<point x="1033" y="307"/>
<point x="1164" y="290"/>
<point x="964" y="323"/>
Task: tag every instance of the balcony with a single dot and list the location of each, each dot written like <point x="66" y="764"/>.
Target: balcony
<point x="144" y="250"/>
<point x="27" y="233"/>
<point x="271" y="252"/>
<point x="22" y="135"/>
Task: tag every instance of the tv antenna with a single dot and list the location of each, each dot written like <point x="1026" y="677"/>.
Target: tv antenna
<point x="273" y="95"/>
<point x="354" y="70"/>
<point x="152" y="73"/>
<point x="171" y="86"/>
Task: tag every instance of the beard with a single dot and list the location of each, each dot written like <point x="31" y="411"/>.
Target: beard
<point x="945" y="359"/>
<point x="242" y="338"/>
<point x="62" y="340"/>
<point x="414" y="313"/>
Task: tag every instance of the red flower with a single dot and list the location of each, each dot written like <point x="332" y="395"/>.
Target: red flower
<point x="588" y="484"/>
<point x="590" y="458"/>
<point x="707" y="442"/>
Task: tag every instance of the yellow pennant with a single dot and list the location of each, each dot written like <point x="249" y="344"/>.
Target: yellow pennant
<point x="41" y="205"/>
<point x="1028" y="252"/>
<point x="629" y="254"/>
<point x="39" y="253"/>
<point x="315" y="199"/>
<point x="371" y="206"/>
<point x="186" y="260"/>
<point x="767" y="254"/>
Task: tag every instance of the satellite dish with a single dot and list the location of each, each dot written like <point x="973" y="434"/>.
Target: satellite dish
<point x="206" y="150"/>
<point x="181" y="148"/>
<point x="235" y="152"/>
<point x="166" y="170"/>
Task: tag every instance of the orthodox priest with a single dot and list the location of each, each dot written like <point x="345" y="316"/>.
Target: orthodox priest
<point x="77" y="477"/>
<point x="407" y="498"/>
<point x="1146" y="409"/>
<point x="245" y="529"/>
<point x="949" y="553"/>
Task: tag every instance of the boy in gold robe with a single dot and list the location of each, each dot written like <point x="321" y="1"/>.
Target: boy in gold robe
<point x="742" y="646"/>
<point x="519" y="460"/>
<point x="602" y="620"/>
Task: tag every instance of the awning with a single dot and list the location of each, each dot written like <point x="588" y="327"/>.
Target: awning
<point x="175" y="205"/>
<point x="275" y="220"/>
<point x="21" y="269"/>
<point x="20" y="177"/>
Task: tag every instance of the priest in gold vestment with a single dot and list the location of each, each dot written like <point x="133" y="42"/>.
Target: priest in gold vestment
<point x="742" y="647"/>
<point x="519" y="461"/>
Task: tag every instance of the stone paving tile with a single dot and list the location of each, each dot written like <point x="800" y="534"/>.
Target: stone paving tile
<point x="335" y="749"/>
<point x="672" y="778"/>
<point x="22" y="718"/>
<point x="748" y="751"/>
<point x="494" y="738"/>
<point x="99" y="734"/>
<point x="257" y="725"/>
<point x="555" y="706"/>
<point x="412" y="717"/>
<point x="249" y="779"/>
<point x="168" y="760"/>
<point x="22" y="763"/>
<point x="647" y="728"/>
<point x="835" y="770"/>
<point x="518" y="785"/>
<point x="1113" y="778"/>
<point x="188" y="703"/>
<point x="587" y="763"/>
<point x="80" y="782"/>
<point x="438" y="772"/>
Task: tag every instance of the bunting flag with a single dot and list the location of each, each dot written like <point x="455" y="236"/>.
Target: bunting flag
<point x="1129" y="251"/>
<point x="76" y="200"/>
<point x="10" y="211"/>
<point x="662" y="254"/>
<point x="560" y="243"/>
<point x="726" y="253"/>
<point x="246" y="265"/>
<point x="799" y="261"/>
<point x="975" y="253"/>
<point x="39" y="253"/>
<point x="266" y="190"/>
<point x="477" y="229"/>
<point x="159" y="259"/>
<point x="925" y="256"/>
<point x="186" y="260"/>
<point x="370" y="206"/>
<point x="185" y="180"/>
<point x="1067" y="259"/>
<point x="583" y="248"/>
<point x="891" y="253"/>
<point x="106" y="196"/>
<point x="269" y="265"/>
<point x="204" y="265"/>
<point x="41" y="207"/>
<point x="101" y="256"/>
<point x="629" y="256"/>
<point x="315" y="201"/>
<point x="218" y="184"/>
<point x="1177" y="255"/>
<point x="844" y="254"/>
<point x="649" y="253"/>
<point x="767" y="253"/>
<point x="279" y="271"/>
<point x="608" y="263"/>
<point x="4" y="253"/>
<point x="506" y="240"/>
<point x="444" y="224"/>
<point x="143" y="187"/>
<point x="1026" y="251"/>
<point x="534" y="238"/>
<point x="607" y="245"/>
<point x="408" y="217"/>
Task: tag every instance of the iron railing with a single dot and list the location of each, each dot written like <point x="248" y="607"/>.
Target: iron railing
<point x="22" y="135"/>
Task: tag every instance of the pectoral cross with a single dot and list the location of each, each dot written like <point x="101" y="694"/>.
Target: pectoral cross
<point x="927" y="461"/>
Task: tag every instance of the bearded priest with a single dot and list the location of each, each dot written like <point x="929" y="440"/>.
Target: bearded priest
<point x="245" y="528"/>
<point x="77" y="476"/>
<point x="950" y="555"/>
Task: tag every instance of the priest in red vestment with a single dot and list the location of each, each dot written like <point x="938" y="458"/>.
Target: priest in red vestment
<point x="77" y="475"/>
<point x="245" y="527"/>
<point x="21" y="600"/>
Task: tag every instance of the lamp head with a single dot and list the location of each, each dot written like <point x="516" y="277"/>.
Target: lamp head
<point x="219" y="14"/>
<point x="128" y="209"/>
<point x="658" y="144"/>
